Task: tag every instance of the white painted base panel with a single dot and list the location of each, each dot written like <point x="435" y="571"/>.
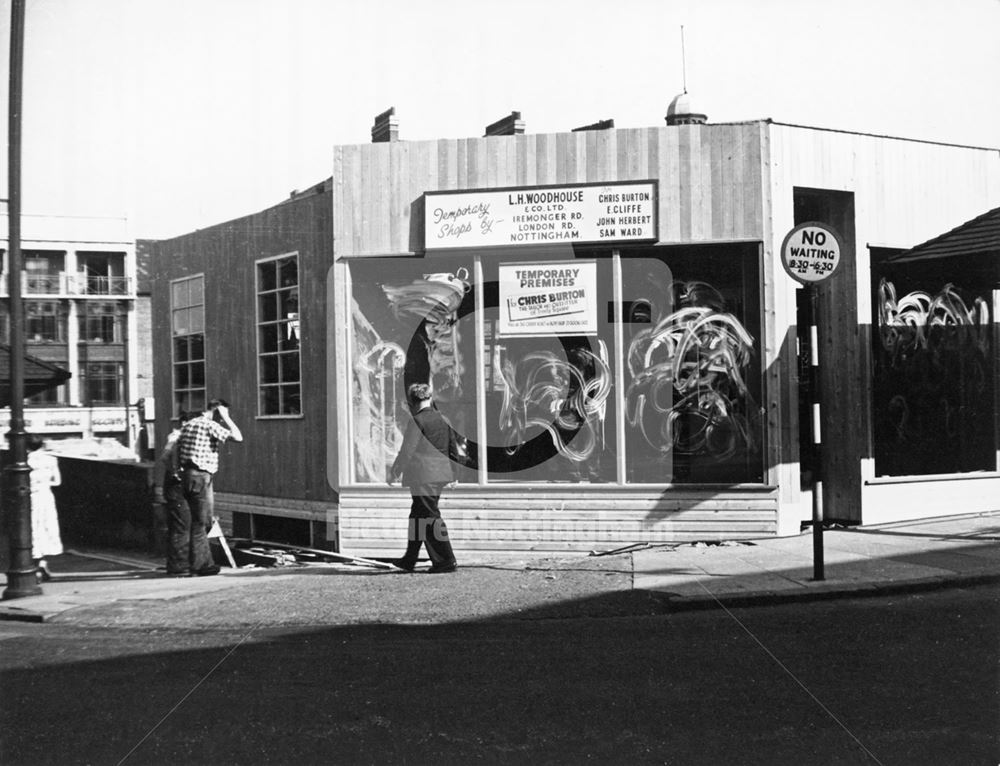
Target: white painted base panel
<point x="887" y="502"/>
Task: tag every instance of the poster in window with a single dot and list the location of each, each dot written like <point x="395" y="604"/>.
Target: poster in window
<point x="547" y="298"/>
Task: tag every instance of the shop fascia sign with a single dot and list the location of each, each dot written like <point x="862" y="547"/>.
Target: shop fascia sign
<point x="541" y="215"/>
<point x="811" y="253"/>
<point x="69" y="420"/>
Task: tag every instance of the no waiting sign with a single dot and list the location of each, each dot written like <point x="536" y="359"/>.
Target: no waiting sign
<point x="811" y="252"/>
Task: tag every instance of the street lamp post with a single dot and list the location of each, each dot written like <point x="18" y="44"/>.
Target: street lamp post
<point x="21" y="580"/>
<point x="121" y="311"/>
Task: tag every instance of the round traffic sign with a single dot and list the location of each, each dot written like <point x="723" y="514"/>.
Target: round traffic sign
<point x="811" y="252"/>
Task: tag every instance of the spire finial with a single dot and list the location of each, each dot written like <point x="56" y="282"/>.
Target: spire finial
<point x="683" y="62"/>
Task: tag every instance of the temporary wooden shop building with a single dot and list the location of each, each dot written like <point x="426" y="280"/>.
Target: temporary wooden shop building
<point x="604" y="315"/>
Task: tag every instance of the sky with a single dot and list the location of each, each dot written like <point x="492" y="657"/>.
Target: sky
<point x="180" y="114"/>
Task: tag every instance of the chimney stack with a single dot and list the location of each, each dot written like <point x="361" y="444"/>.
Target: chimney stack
<point x="508" y="126"/>
<point x="600" y="125"/>
<point x="386" y="127"/>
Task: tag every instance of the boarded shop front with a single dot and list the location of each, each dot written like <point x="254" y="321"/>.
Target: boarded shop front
<point x="588" y="366"/>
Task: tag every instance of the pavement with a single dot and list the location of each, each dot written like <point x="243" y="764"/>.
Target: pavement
<point x="128" y="589"/>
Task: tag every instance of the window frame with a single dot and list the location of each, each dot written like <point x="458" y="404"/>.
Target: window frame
<point x="101" y="272"/>
<point x="203" y="388"/>
<point x="43" y="281"/>
<point x="92" y="312"/>
<point x="56" y="396"/>
<point x="55" y="310"/>
<point x="118" y="377"/>
<point x="280" y="323"/>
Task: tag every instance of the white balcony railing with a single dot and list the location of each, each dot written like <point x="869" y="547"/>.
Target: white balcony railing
<point x="65" y="285"/>
<point x="33" y="284"/>
<point x="43" y="284"/>
<point x="84" y="284"/>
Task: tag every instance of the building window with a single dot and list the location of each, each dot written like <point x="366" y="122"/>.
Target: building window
<point x="549" y="412"/>
<point x="636" y="367"/>
<point x="935" y="367"/>
<point x="50" y="396"/>
<point x="43" y="271"/>
<point x="413" y="322"/>
<point x="278" y="372"/>
<point x="44" y="322"/>
<point x="103" y="382"/>
<point x="187" y="316"/>
<point x="101" y="322"/>
<point x="102" y="273"/>
<point x="692" y="387"/>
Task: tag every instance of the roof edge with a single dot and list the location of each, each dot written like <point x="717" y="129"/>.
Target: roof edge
<point x="884" y="135"/>
<point x="917" y="250"/>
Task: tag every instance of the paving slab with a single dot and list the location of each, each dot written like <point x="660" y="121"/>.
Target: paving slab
<point x="103" y="589"/>
<point x="703" y="572"/>
<point x="67" y="592"/>
<point x="857" y="560"/>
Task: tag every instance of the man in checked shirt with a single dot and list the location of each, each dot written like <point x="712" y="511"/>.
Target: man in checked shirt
<point x="198" y="447"/>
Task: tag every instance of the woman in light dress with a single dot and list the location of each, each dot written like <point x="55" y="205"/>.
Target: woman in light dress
<point x="45" y="537"/>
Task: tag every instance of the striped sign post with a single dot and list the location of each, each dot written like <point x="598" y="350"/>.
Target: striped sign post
<point x="812" y="253"/>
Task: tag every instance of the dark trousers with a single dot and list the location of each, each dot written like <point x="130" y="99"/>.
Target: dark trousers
<point x="427" y="528"/>
<point x="198" y="492"/>
<point x="187" y="539"/>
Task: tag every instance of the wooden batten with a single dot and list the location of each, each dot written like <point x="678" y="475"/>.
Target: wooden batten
<point x="375" y="522"/>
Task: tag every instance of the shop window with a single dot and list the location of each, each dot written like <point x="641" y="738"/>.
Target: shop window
<point x="278" y="369"/>
<point x="550" y="415"/>
<point x="682" y="324"/>
<point x="102" y="382"/>
<point x="187" y="312"/>
<point x="101" y="322"/>
<point x="44" y="322"/>
<point x="935" y="369"/>
<point x="692" y="365"/>
<point x="413" y="322"/>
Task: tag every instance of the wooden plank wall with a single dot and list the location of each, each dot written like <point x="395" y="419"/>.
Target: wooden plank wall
<point x="710" y="179"/>
<point x="279" y="458"/>
<point x="374" y="522"/>
<point x="905" y="192"/>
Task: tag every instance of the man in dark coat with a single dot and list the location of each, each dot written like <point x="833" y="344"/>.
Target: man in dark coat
<point x="425" y="464"/>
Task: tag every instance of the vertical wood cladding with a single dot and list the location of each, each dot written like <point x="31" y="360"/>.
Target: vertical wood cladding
<point x="709" y="179"/>
<point x="279" y="457"/>
<point x="901" y="193"/>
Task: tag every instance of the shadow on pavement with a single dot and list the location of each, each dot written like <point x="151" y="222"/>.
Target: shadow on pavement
<point x="902" y="682"/>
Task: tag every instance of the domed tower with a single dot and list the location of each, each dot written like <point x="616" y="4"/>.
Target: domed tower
<point x="681" y="112"/>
